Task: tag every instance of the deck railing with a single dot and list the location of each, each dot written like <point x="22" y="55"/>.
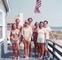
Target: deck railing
<point x="55" y="50"/>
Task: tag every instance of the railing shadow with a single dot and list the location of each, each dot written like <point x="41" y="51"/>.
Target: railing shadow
<point x="3" y="55"/>
<point x="9" y="54"/>
<point x="53" y="50"/>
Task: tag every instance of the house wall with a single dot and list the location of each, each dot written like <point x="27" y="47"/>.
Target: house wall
<point x="2" y="6"/>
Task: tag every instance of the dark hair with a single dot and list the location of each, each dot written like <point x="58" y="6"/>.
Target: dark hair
<point x="26" y="21"/>
<point x="35" y="23"/>
<point x="12" y="27"/>
<point x="30" y="18"/>
<point x="16" y="19"/>
<point x="40" y="23"/>
<point x="46" y="21"/>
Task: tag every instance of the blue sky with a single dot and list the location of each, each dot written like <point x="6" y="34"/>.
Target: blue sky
<point x="50" y="10"/>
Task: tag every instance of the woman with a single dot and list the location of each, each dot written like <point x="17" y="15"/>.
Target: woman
<point x="41" y="40"/>
<point x="35" y="34"/>
<point x="48" y="33"/>
<point x="27" y="33"/>
<point x="31" y="25"/>
<point x="14" y="37"/>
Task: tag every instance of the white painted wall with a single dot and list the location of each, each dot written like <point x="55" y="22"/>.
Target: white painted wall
<point x="2" y="6"/>
<point x="2" y="9"/>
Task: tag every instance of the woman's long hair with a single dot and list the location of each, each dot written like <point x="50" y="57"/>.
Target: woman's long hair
<point x="12" y="26"/>
<point x="41" y="22"/>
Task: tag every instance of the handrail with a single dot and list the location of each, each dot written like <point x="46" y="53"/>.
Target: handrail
<point x="54" y="49"/>
<point x="55" y="43"/>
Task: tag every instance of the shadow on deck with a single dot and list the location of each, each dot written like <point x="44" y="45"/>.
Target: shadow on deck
<point x="52" y="53"/>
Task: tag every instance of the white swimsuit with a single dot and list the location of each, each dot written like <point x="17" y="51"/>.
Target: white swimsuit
<point x="41" y="36"/>
<point x="27" y="33"/>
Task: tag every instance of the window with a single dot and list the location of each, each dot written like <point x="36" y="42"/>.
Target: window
<point x="2" y="25"/>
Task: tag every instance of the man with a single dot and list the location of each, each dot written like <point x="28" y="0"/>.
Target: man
<point x="19" y="25"/>
<point x="17" y="21"/>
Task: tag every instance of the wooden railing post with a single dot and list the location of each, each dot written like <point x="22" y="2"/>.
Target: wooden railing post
<point x="53" y="49"/>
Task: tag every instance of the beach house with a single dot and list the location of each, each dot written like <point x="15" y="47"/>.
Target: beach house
<point x="4" y="9"/>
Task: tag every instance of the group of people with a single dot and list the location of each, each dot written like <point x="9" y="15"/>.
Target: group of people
<point x="38" y="33"/>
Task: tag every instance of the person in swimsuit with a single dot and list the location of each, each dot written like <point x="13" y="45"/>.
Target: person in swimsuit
<point x="41" y="40"/>
<point x="14" y="38"/>
<point x="48" y="33"/>
<point x="31" y="25"/>
<point x="35" y="34"/>
<point x="19" y="26"/>
<point x="27" y="34"/>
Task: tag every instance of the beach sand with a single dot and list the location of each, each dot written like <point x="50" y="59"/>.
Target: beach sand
<point x="57" y="37"/>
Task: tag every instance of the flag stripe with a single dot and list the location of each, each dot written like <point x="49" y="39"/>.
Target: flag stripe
<point x="38" y="4"/>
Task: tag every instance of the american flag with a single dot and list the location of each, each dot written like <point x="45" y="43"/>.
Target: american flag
<point x="38" y="5"/>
